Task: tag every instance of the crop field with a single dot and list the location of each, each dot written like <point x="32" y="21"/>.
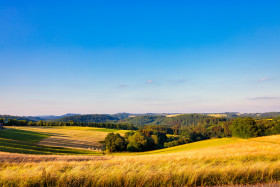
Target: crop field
<point x="69" y="137"/>
<point x="223" y="161"/>
<point x="218" y="115"/>
<point x="53" y="140"/>
<point x="172" y="115"/>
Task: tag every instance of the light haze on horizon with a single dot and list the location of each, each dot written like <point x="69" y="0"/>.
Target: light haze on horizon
<point x="125" y="56"/>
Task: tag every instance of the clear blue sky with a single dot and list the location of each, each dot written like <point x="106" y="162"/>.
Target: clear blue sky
<point x="139" y="56"/>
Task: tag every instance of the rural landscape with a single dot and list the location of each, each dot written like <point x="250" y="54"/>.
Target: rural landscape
<point x="189" y="150"/>
<point x="139" y="93"/>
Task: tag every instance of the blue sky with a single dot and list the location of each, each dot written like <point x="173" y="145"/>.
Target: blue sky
<point x="139" y="56"/>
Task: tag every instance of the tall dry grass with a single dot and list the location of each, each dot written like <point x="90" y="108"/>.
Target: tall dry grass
<point x="244" y="162"/>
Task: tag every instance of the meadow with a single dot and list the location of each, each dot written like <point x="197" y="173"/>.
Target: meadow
<point x="224" y="161"/>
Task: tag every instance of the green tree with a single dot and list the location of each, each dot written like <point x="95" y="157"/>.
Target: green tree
<point x="244" y="128"/>
<point x="137" y="142"/>
<point x="115" y="143"/>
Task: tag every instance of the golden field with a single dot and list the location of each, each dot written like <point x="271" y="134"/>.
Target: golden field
<point x="218" y="115"/>
<point x="223" y="161"/>
<point x="72" y="137"/>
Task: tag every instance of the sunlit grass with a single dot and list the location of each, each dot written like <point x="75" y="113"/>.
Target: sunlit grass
<point x="231" y="161"/>
<point x="223" y="161"/>
<point x="187" y="147"/>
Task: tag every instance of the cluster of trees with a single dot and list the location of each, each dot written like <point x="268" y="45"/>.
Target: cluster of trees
<point x="135" y="141"/>
<point x="163" y="129"/>
<point x="174" y="141"/>
<point x="249" y="127"/>
<point x="123" y="126"/>
<point x="15" y="122"/>
<point x="154" y="137"/>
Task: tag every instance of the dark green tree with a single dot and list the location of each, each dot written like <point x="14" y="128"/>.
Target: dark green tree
<point x="244" y="128"/>
<point x="115" y="143"/>
<point x="137" y="142"/>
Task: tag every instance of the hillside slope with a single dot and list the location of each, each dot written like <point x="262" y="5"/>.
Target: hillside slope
<point x="182" y="120"/>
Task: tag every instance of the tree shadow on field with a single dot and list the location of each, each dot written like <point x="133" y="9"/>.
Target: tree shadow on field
<point x="63" y="142"/>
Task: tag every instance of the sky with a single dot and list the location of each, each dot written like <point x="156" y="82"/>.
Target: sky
<point x="88" y="57"/>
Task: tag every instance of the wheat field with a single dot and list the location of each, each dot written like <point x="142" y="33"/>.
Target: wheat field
<point x="223" y="162"/>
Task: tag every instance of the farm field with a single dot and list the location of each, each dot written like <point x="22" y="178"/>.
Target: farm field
<point x="218" y="115"/>
<point x="223" y="161"/>
<point x="53" y="140"/>
<point x="172" y="115"/>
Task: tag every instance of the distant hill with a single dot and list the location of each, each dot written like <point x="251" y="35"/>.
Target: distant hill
<point x="6" y="117"/>
<point x="164" y="119"/>
<point x="145" y="120"/>
<point x="120" y="116"/>
<point x="104" y="118"/>
<point x="89" y="118"/>
<point x="49" y="117"/>
<point x="182" y="120"/>
<point x="262" y="115"/>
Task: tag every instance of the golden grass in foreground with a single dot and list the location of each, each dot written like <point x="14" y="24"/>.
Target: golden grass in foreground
<point x="243" y="162"/>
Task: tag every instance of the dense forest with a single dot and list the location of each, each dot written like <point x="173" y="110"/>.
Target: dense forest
<point x="90" y="118"/>
<point x="181" y="121"/>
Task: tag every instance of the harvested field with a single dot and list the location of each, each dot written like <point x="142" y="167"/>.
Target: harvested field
<point x="72" y="137"/>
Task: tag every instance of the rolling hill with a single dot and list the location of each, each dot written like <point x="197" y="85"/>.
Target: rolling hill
<point x="225" y="161"/>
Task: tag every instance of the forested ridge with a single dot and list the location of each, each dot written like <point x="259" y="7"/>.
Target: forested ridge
<point x="90" y="118"/>
<point x="182" y="120"/>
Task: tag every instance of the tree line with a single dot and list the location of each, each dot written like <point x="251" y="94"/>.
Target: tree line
<point x="122" y="126"/>
<point x="135" y="141"/>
